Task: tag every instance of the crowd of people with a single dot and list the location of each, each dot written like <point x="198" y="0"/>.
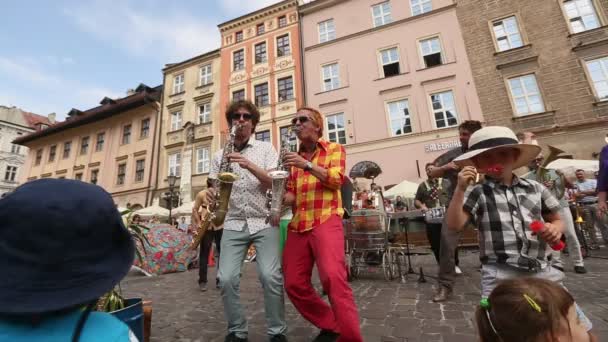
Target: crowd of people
<point x="58" y="262"/>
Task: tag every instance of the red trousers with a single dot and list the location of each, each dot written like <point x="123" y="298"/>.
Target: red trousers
<point x="325" y="246"/>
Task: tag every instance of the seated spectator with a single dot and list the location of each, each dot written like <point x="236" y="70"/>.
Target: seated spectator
<point x="63" y="246"/>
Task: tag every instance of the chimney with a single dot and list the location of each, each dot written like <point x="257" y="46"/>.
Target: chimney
<point x="52" y="118"/>
<point x="130" y="91"/>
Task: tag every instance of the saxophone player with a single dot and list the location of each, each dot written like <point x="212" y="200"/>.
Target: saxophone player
<point x="245" y="224"/>
<point x="214" y="233"/>
<point x="315" y="232"/>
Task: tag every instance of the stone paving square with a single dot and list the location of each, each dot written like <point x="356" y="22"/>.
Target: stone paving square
<point x="389" y="311"/>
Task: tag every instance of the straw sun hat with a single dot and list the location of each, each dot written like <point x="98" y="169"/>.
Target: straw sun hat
<point x="493" y="138"/>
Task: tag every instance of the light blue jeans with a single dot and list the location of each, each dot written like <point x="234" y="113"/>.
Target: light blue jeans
<point x="234" y="248"/>
<point x="492" y="274"/>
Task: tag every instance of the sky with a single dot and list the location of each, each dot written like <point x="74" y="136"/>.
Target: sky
<point x="63" y="54"/>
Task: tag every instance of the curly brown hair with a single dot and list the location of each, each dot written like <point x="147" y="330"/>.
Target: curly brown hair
<point x="245" y="104"/>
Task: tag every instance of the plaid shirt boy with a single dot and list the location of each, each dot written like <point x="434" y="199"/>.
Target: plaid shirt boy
<point x="315" y="201"/>
<point x="503" y="215"/>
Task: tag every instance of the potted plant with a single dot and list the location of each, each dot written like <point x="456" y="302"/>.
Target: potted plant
<point x="135" y="312"/>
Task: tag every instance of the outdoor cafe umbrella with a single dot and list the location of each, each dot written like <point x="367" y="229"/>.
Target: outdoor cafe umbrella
<point x="153" y="210"/>
<point x="405" y="189"/>
<point x="168" y="250"/>
<point x="184" y="209"/>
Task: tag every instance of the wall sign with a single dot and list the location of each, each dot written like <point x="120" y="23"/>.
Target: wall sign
<point x="434" y="147"/>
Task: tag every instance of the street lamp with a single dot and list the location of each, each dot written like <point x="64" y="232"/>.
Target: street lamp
<point x="171" y="178"/>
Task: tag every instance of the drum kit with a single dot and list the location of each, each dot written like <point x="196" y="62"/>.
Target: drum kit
<point x="367" y="238"/>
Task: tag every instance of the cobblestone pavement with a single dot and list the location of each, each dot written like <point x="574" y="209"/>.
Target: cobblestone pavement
<point x="389" y="311"/>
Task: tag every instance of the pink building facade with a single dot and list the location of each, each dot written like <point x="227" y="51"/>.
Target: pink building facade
<point x="392" y="78"/>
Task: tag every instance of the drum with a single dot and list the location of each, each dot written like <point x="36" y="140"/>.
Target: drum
<point x="368" y="220"/>
<point x="434" y="215"/>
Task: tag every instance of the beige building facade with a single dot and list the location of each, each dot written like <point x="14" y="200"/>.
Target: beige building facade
<point x="542" y="66"/>
<point x="392" y="78"/>
<point x="113" y="145"/>
<point x="190" y="124"/>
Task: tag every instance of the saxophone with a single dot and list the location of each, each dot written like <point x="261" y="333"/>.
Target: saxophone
<point x="216" y="211"/>
<point x="274" y="196"/>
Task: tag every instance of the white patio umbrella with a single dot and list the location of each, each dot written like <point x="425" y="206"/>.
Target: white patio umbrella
<point x="153" y="210"/>
<point x="569" y="166"/>
<point x="405" y="189"/>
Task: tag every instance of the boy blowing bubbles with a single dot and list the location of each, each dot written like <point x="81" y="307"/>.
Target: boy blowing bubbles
<point x="503" y="206"/>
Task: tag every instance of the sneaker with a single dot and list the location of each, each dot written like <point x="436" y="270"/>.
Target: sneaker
<point x="278" y="338"/>
<point x="326" y="336"/>
<point x="442" y="294"/>
<point x="233" y="338"/>
<point x="580" y="269"/>
<point x="202" y="287"/>
<point x="457" y="270"/>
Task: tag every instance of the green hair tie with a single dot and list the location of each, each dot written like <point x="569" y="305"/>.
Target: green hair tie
<point x="484" y="303"/>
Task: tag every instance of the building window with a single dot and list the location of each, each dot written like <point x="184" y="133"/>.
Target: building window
<point x="327" y="31"/>
<point x="526" y="95"/>
<point x="238" y="60"/>
<point x="238" y="95"/>
<point x="52" y="153"/>
<point x="381" y="14"/>
<point x="282" y="21"/>
<point x="239" y="36"/>
<point x="335" y="128"/>
<point x="283" y="48"/>
<point x="399" y="115"/>
<point x="421" y="6"/>
<point x="67" y="147"/>
<point x="260" y="29"/>
<point x="139" y="170"/>
<point x="94" y="176"/>
<point x="260" y="53"/>
<point x="126" y="134"/>
<point x="178" y="84"/>
<point x="145" y="129"/>
<point x="204" y="113"/>
<point x="202" y="160"/>
<point x="293" y="141"/>
<point x="261" y="94"/>
<point x="507" y="34"/>
<point x="285" y="88"/>
<point x="581" y="15"/>
<point x="176" y="120"/>
<point x="120" y="174"/>
<point x="38" y="157"/>
<point x="444" y="109"/>
<point x="206" y="75"/>
<point x="84" y="145"/>
<point x="100" y="139"/>
<point x="390" y="62"/>
<point x="431" y="52"/>
<point x="331" y="77"/>
<point x="263" y="136"/>
<point x="10" y="174"/>
<point x="78" y="176"/>
<point x="174" y="164"/>
<point x="15" y="148"/>
<point x="598" y="70"/>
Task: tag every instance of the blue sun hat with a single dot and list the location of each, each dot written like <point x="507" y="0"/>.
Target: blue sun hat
<point x="62" y="243"/>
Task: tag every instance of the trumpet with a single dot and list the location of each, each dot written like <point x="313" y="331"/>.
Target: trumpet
<point x="216" y="211"/>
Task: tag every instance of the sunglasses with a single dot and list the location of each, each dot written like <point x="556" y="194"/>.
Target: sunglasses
<point x="302" y="119"/>
<point x="238" y="116"/>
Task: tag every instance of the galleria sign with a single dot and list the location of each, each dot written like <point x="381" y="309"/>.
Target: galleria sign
<point x="434" y="147"/>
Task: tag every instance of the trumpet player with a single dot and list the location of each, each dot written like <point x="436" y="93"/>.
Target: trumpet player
<point x="200" y="208"/>
<point x="315" y="232"/>
<point x="245" y="224"/>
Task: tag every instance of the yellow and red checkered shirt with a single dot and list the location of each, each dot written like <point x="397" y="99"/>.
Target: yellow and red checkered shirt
<point x="316" y="201"/>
